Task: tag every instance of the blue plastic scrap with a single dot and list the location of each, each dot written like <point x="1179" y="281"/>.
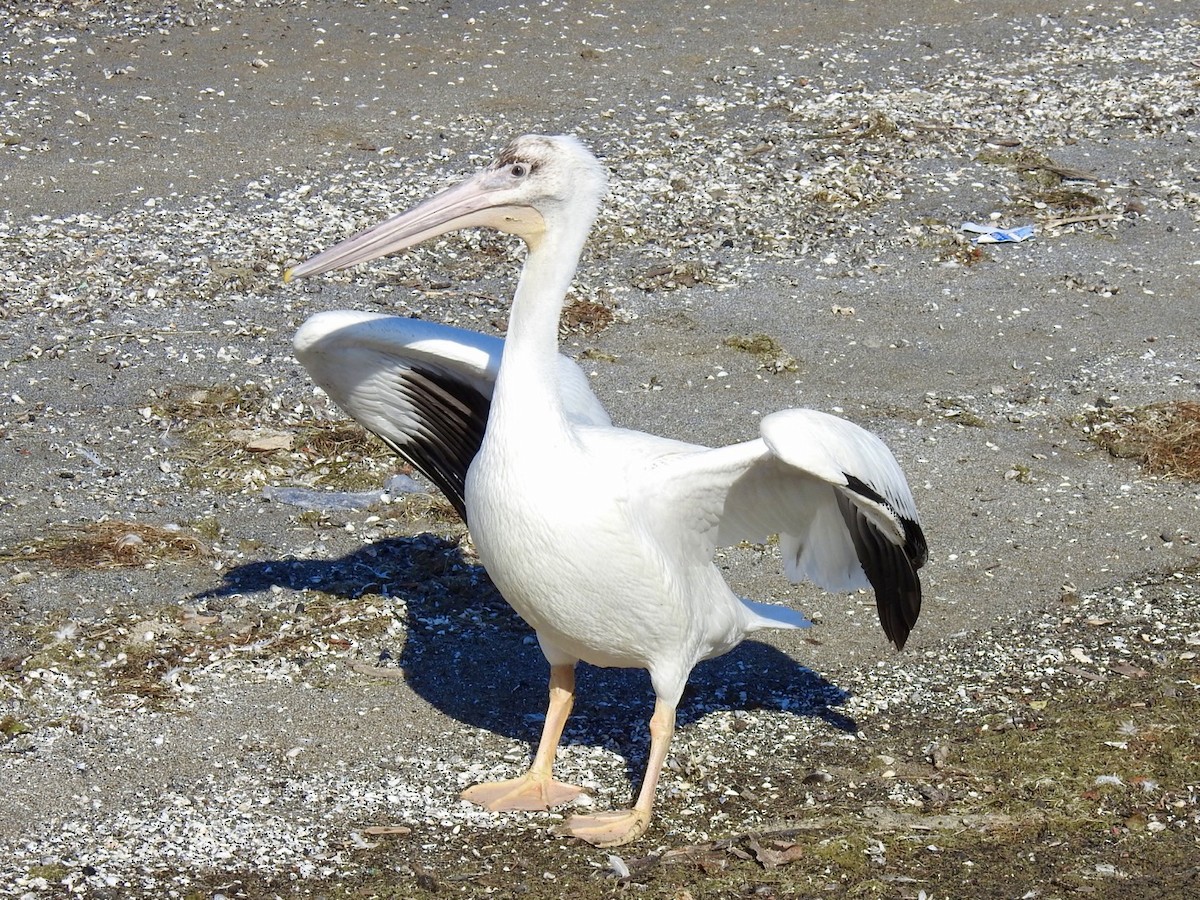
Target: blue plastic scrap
<point x="990" y="234"/>
<point x="311" y="498"/>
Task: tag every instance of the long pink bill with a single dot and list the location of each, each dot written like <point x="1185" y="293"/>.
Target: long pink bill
<point x="475" y="202"/>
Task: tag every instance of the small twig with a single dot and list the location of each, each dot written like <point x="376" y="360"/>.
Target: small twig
<point x="139" y="334"/>
<point x="937" y="126"/>
<point x="377" y="671"/>
<point x="374" y="830"/>
<point x="1066" y="173"/>
<point x="728" y="843"/>
<point x="1072" y="220"/>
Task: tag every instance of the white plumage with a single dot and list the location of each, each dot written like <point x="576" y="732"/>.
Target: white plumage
<point x="601" y="538"/>
<point x="423" y="387"/>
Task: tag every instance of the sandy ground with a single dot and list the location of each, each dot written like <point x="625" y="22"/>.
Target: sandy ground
<point x="796" y="170"/>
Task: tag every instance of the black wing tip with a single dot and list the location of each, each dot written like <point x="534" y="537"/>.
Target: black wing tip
<point x="897" y="596"/>
<point x="905" y="604"/>
<point x="898" y="613"/>
<point x="891" y="568"/>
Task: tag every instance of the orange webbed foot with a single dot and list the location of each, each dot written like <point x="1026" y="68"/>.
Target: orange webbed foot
<point x="608" y="829"/>
<point x="529" y="792"/>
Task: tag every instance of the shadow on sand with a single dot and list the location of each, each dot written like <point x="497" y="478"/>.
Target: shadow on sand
<point x="471" y="657"/>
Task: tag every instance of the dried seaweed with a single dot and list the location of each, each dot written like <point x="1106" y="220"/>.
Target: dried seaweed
<point x="770" y="352"/>
<point x="1164" y="437"/>
<point x="109" y="544"/>
<point x="585" y="317"/>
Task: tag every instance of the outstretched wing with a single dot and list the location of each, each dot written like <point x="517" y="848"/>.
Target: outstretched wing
<point x="424" y="388"/>
<point x="831" y="490"/>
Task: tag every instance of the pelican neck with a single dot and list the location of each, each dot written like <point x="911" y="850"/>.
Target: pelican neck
<point x="527" y="383"/>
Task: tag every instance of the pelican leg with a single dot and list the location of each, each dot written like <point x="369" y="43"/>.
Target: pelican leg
<point x="620" y="826"/>
<point x="536" y="789"/>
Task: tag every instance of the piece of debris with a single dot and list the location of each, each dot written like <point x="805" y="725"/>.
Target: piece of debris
<point x="993" y="234"/>
<point x="779" y="853"/>
<point x="386" y="829"/>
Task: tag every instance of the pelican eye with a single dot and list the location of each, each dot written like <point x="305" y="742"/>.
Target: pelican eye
<point x="518" y="170"/>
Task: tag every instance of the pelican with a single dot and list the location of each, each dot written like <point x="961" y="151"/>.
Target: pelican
<point x="601" y="538"/>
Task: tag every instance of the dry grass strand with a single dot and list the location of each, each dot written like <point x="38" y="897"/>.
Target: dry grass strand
<point x="110" y="544"/>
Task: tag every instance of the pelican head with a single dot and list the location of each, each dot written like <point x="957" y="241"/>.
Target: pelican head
<point x="538" y="184"/>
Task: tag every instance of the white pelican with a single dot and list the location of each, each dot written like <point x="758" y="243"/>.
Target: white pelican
<point x="601" y="538"/>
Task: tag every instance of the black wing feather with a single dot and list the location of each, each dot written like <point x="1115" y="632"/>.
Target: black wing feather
<point x="891" y="568"/>
<point x="453" y="417"/>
